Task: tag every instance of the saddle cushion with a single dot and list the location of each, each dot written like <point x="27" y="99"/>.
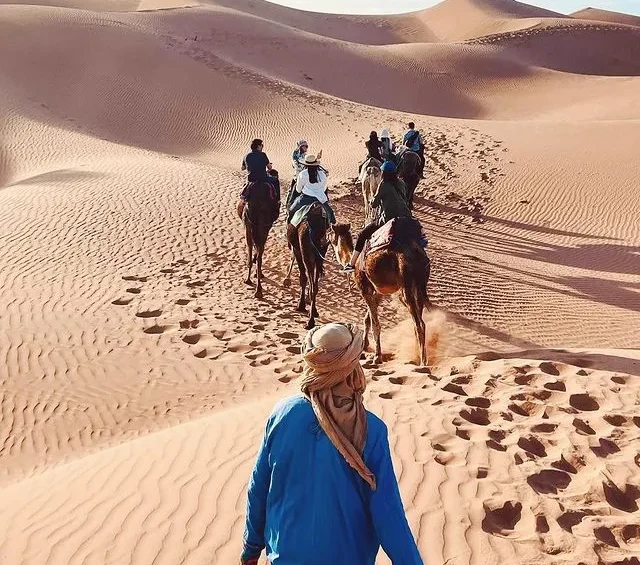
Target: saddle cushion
<point x="301" y="214"/>
<point x="394" y="230"/>
<point x="383" y="236"/>
<point x="250" y="188"/>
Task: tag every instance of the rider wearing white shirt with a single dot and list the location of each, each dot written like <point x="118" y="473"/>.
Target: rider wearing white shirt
<point x="312" y="185"/>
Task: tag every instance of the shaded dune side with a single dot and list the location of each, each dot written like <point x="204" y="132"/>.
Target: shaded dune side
<point x="455" y="80"/>
<point x="459" y="20"/>
<point x="607" y="16"/>
<point x="574" y="47"/>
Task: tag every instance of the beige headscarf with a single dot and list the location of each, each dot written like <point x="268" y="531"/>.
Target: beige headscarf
<point x="334" y="382"/>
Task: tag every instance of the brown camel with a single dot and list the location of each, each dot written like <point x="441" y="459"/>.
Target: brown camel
<point x="409" y="171"/>
<point x="403" y="267"/>
<point x="258" y="217"/>
<point x="370" y="177"/>
<point x="309" y="244"/>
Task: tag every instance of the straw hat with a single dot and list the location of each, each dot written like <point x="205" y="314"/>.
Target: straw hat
<point x="310" y="160"/>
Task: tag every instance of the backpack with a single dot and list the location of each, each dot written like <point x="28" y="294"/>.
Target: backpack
<point x="412" y="139"/>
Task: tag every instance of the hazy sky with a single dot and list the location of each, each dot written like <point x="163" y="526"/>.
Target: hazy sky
<point x="396" y="6"/>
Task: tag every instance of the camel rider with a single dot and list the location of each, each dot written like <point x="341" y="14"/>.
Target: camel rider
<point x="256" y="163"/>
<point x="392" y="198"/>
<point x="413" y="141"/>
<point x="387" y="145"/>
<point x="373" y="146"/>
<point x="298" y="156"/>
<point x="311" y="185"/>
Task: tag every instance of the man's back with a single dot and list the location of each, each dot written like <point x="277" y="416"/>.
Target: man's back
<point x="318" y="510"/>
<point x="256" y="164"/>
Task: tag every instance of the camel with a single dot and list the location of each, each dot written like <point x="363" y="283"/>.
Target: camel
<point x="401" y="268"/>
<point x="370" y="177"/>
<point x="409" y="164"/>
<point x="258" y="217"/>
<point x="309" y="244"/>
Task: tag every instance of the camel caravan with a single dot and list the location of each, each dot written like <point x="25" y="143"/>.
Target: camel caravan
<point x="388" y="256"/>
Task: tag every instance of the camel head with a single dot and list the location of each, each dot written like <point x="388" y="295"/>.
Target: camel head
<point x="342" y="242"/>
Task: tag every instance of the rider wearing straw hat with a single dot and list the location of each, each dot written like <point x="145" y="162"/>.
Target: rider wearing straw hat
<point x="311" y="185"/>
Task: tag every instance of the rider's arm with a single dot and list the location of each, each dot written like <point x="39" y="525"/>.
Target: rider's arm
<point x="244" y="164"/>
<point x="377" y="199"/>
<point x="300" y="182"/>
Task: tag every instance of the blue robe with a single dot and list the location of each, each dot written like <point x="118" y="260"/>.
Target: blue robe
<point x="308" y="507"/>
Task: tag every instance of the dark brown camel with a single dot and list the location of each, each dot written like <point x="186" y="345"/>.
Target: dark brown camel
<point x="309" y="244"/>
<point x="402" y="268"/>
<point x="409" y="171"/>
<point x="258" y="217"/>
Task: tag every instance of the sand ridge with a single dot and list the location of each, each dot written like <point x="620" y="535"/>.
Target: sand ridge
<point x="137" y="369"/>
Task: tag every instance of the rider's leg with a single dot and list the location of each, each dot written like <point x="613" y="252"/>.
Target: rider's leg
<point x="295" y="206"/>
<point x="365" y="234"/>
<point x="330" y="213"/>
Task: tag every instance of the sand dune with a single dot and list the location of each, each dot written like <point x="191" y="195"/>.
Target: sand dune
<point x="136" y="369"/>
<point x="607" y="16"/>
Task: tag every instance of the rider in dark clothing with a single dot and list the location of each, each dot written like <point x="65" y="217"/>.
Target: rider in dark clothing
<point x="257" y="164"/>
<point x="373" y="145"/>
<point x="392" y="198"/>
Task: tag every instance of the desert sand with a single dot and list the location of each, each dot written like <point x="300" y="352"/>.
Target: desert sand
<point x="137" y="369"/>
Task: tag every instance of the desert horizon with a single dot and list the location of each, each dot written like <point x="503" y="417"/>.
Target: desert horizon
<point x="137" y="369"/>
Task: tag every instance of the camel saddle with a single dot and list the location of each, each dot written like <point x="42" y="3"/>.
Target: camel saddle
<point x="396" y="230"/>
<point x="301" y="214"/>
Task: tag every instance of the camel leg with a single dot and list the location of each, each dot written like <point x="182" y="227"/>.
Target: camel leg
<point x="309" y="259"/>
<point x="249" y="238"/>
<point x="415" y="305"/>
<point x="303" y="280"/>
<point x="287" y="280"/>
<point x="367" y="329"/>
<point x="373" y="301"/>
<point x="313" y="291"/>
<point x="260" y="252"/>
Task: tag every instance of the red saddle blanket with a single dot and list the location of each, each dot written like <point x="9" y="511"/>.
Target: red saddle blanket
<point x="382" y="237"/>
<point x="395" y="230"/>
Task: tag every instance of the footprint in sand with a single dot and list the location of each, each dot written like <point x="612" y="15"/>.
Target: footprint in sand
<point x="549" y="481"/>
<point x="532" y="445"/>
<point x="583" y="428"/>
<point x="182" y="301"/>
<point x="621" y="499"/>
<point x="478" y="402"/>
<point x="134" y="278"/>
<point x="606" y="448"/>
<point x="134" y="290"/>
<point x="478" y="416"/>
<point x="191" y="338"/>
<point x="569" y="519"/>
<point x="148" y="313"/>
<point x="550" y="369"/>
<point x="397" y="380"/>
<point x="583" y="402"/>
<point x="156" y="329"/>
<point x="556" y="385"/>
<point x="186" y="324"/>
<point x="501" y="518"/>
<point x="615" y="420"/>
<point x="454" y="389"/>
<point x="122" y="301"/>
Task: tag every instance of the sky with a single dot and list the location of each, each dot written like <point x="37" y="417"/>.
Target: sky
<point x="397" y="6"/>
